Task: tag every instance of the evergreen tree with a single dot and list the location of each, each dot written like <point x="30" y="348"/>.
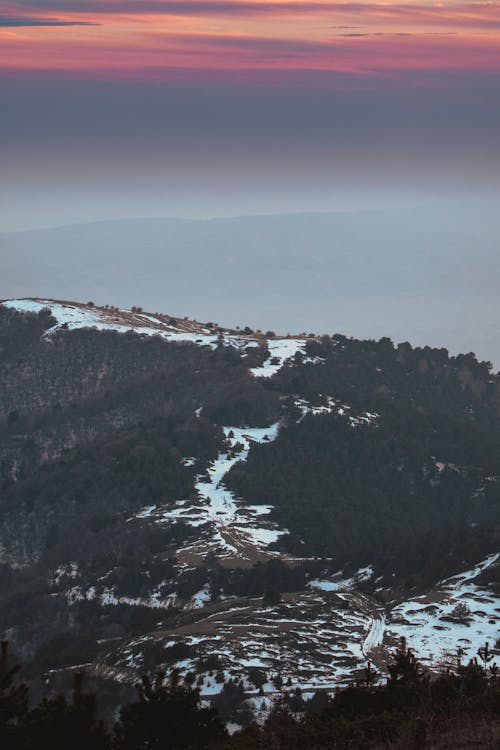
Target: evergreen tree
<point x="230" y="704"/>
<point x="167" y="716"/>
<point x="404" y="668"/>
<point x="13" y="702"/>
<point x="58" y="724"/>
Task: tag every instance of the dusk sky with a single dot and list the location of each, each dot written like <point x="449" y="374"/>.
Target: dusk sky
<point x="114" y="108"/>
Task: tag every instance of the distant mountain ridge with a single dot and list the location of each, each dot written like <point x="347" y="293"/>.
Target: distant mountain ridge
<point x="427" y="275"/>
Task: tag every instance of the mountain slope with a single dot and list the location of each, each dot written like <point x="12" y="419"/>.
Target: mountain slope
<point x="234" y="503"/>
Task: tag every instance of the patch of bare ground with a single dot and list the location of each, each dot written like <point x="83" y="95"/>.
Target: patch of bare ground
<point x="462" y="733"/>
<point x="247" y="554"/>
<point x="235" y="618"/>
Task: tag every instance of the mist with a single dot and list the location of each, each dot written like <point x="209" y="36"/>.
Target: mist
<point x="425" y="275"/>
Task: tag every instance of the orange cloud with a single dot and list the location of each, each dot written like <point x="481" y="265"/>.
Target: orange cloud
<point x="168" y="36"/>
<point x="367" y="54"/>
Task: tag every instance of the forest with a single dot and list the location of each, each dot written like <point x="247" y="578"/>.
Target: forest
<point x="456" y="707"/>
<point x="387" y="456"/>
<point x="421" y="477"/>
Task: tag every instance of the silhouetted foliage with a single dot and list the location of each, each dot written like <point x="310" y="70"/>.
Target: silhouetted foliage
<point x="13" y="700"/>
<point x="166" y="715"/>
<point x="414" y="708"/>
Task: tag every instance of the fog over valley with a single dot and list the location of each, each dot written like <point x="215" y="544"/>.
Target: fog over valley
<point x="426" y="275"/>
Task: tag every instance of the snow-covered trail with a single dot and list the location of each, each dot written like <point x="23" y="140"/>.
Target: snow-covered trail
<point x="230" y="527"/>
<point x="237" y="527"/>
<point x="235" y="523"/>
<point x="227" y="525"/>
<point x="375" y="634"/>
<point x="373" y="614"/>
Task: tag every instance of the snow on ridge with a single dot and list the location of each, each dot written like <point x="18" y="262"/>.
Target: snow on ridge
<point x="73" y="316"/>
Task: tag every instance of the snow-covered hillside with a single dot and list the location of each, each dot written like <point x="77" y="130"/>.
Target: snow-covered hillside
<point x="227" y="527"/>
<point x="72" y="315"/>
<point x="230" y="505"/>
<point x="451" y="621"/>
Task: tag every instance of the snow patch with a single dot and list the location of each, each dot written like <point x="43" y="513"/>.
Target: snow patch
<point x="458" y="614"/>
<point x="231" y="526"/>
<point x="74" y="316"/>
<point x="281" y="351"/>
<point x="200" y="599"/>
<point x="332" y="406"/>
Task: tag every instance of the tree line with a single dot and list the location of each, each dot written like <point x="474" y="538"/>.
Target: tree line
<point x="412" y="708"/>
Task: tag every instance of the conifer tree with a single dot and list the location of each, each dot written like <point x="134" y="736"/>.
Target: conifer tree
<point x="404" y="667"/>
<point x="167" y="716"/>
<point x="59" y="724"/>
<point x="13" y="702"/>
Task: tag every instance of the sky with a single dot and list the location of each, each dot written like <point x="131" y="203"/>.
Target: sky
<point x="199" y="108"/>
